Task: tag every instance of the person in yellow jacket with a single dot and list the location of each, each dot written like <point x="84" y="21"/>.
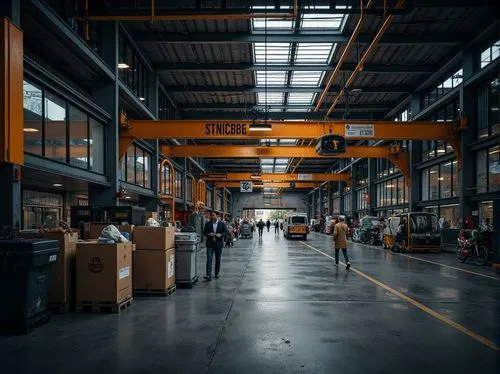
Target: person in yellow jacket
<point x="340" y="233"/>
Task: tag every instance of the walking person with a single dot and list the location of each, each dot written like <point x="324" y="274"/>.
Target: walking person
<point x="276" y="227"/>
<point x="268" y="224"/>
<point x="340" y="237"/>
<point x="215" y="231"/>
<point x="261" y="225"/>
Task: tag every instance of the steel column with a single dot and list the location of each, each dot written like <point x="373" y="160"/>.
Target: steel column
<point x="372" y="187"/>
<point x="496" y="238"/>
<point x="107" y="94"/>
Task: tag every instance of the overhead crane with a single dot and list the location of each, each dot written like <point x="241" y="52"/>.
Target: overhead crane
<point x="245" y="129"/>
<point x="308" y="185"/>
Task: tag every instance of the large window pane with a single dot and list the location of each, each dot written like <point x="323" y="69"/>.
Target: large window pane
<point x="96" y="145"/>
<point x="147" y="169"/>
<point x="55" y="127"/>
<point x="425" y="185"/>
<point x="139" y="167"/>
<point x="32" y="104"/>
<point x="455" y="183"/>
<point x="449" y="216"/>
<point x="78" y="138"/>
<point x="131" y="164"/>
<point x="445" y="180"/>
<point x="495" y="106"/>
<point x="481" y="171"/>
<point x="494" y="169"/>
<point x="434" y="183"/>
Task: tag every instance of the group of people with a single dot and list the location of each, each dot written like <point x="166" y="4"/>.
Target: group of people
<point x="217" y="232"/>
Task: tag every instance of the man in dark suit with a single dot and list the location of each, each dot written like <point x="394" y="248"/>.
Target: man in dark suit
<point x="215" y="231"/>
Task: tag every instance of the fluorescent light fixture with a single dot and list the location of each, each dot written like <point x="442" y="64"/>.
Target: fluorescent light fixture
<point x="127" y="197"/>
<point x="123" y="65"/>
<point x="260" y="127"/>
<point x="142" y="98"/>
<point x="433" y="171"/>
<point x="30" y="129"/>
<point x="494" y="151"/>
<point x="441" y="151"/>
<point x="441" y="179"/>
<point x="57" y="185"/>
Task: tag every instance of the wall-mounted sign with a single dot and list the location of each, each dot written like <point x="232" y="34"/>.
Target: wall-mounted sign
<point x="359" y="131"/>
<point x="304" y="177"/>
<point x="246" y="186"/>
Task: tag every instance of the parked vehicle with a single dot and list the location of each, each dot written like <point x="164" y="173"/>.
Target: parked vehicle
<point x="470" y="249"/>
<point x="369" y="230"/>
<point x="356" y="235"/>
<point x="246" y="230"/>
<point x="296" y="224"/>
<point x="414" y="232"/>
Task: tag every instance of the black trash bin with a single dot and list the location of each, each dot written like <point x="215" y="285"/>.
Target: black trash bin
<point x="25" y="270"/>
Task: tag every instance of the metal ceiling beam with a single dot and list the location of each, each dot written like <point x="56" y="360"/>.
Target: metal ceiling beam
<point x="276" y="116"/>
<point x="383" y="107"/>
<point x="275" y="177"/>
<point x="347" y="67"/>
<point x="253" y="89"/>
<point x="289" y="37"/>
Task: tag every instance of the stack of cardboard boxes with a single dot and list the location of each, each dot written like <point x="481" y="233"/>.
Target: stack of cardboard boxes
<point x="154" y="260"/>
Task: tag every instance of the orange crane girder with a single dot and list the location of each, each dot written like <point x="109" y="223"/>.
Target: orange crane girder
<point x="275" y="177"/>
<point x="269" y="185"/>
<point x="236" y="151"/>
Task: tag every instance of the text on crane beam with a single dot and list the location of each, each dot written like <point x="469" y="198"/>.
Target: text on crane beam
<point x="225" y="129"/>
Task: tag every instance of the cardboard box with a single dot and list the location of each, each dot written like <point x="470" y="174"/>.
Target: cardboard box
<point x="127" y="228"/>
<point x="154" y="238"/>
<point x="62" y="283"/>
<point x="154" y="270"/>
<point x="103" y="272"/>
<point x="95" y="229"/>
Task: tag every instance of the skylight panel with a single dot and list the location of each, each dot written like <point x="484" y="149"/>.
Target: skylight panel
<point x="306" y="78"/>
<point x="272" y="98"/>
<point x="324" y="21"/>
<point x="277" y="53"/>
<point x="267" y="161"/>
<point x="274" y="78"/>
<point x="288" y="141"/>
<point x="295" y="109"/>
<point x="272" y="23"/>
<point x="281" y="161"/>
<point x="301" y="98"/>
<point x="314" y="53"/>
<point x="267" y="167"/>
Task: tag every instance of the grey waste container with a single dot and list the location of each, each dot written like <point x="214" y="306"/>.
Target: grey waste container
<point x="186" y="258"/>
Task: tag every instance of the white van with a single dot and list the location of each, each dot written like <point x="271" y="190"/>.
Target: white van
<point x="296" y="224"/>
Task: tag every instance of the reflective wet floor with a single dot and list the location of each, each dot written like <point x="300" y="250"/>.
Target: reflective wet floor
<point x="282" y="306"/>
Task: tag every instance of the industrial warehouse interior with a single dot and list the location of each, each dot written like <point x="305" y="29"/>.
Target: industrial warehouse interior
<point x="250" y="186"/>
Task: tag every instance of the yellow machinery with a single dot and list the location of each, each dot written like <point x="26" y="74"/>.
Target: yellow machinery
<point x="415" y="232"/>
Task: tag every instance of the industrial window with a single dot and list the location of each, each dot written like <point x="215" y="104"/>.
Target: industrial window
<point x="362" y="199"/>
<point x="33" y="113"/>
<point x="132" y="71"/>
<point x="488" y="103"/>
<point x="166" y="180"/>
<point x="314" y="53"/>
<point x="488" y="170"/>
<point x="165" y="108"/>
<point x="347" y="203"/>
<point x="271" y="78"/>
<point x="392" y="192"/>
<point x="275" y="53"/>
<point x="442" y="88"/>
<point x="189" y="189"/>
<point x="58" y="130"/>
<point x="178" y="184"/>
<point x="361" y="173"/>
<point x="449" y="215"/>
<point x="136" y="167"/>
<point x="491" y="53"/>
<point x="440" y="181"/>
<point x="41" y="208"/>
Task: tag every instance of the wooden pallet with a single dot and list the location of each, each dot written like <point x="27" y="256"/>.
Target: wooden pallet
<point x="103" y="306"/>
<point x="59" y="308"/>
<point x="156" y="292"/>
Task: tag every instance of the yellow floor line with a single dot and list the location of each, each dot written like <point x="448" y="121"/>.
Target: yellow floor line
<point x="449" y="322"/>
<point x="435" y="263"/>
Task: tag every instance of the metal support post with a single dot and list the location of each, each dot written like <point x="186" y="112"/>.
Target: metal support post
<point x="496" y="238"/>
<point x="414" y="190"/>
<point x="372" y="187"/>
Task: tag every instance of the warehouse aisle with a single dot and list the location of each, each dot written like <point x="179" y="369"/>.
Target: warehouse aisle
<point x="282" y="307"/>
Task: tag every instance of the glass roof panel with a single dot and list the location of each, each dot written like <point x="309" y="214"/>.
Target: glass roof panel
<point x="267" y="160"/>
<point x="272" y="98"/>
<point x="324" y="21"/>
<point x="277" y="53"/>
<point x="307" y="78"/>
<point x="301" y="98"/>
<point x="272" y="23"/>
<point x="280" y="161"/>
<point x="314" y="53"/>
<point x="274" y="78"/>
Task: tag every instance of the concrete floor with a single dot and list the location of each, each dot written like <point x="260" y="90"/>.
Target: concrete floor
<point x="282" y="307"/>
